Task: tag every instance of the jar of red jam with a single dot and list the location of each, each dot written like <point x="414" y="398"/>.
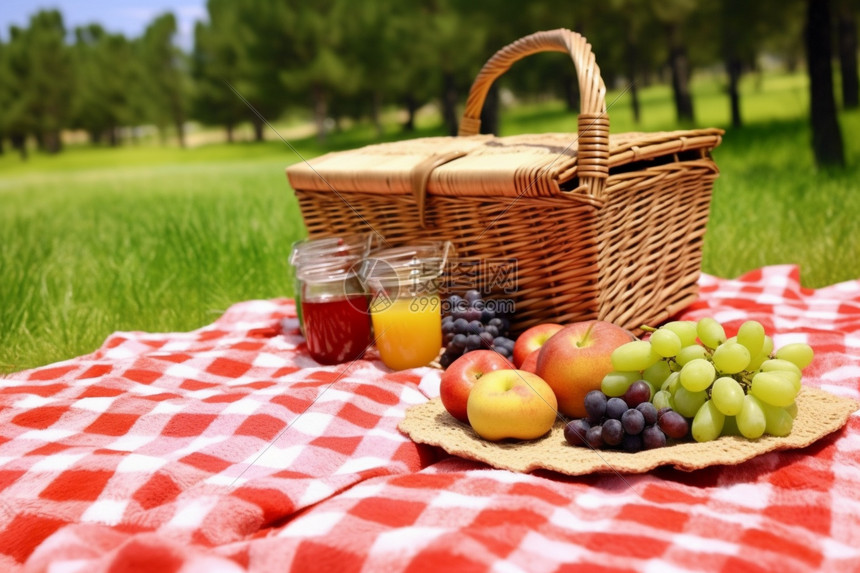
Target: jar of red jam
<point x="337" y="324"/>
<point x="335" y="252"/>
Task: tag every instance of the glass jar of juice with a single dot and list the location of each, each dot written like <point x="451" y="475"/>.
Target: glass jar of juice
<point x="337" y="324"/>
<point x="337" y="252"/>
<point x="405" y="306"/>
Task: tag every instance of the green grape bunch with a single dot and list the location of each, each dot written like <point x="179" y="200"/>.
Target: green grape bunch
<point x="728" y="386"/>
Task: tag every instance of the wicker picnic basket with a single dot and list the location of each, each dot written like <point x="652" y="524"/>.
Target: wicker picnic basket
<point x="590" y="225"/>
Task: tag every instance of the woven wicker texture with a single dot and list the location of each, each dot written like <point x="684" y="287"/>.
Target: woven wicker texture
<point x="586" y="225"/>
<point x="819" y="413"/>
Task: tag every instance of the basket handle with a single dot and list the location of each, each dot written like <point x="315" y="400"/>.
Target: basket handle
<point x="592" y="124"/>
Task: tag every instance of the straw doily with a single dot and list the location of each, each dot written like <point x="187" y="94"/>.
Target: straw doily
<point x="819" y="413"/>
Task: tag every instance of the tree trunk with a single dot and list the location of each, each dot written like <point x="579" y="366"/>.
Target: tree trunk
<point x="51" y="142"/>
<point x="490" y="111"/>
<point x="571" y="92"/>
<point x="376" y="112"/>
<point x="411" y="111"/>
<point x="180" y="132"/>
<point x="826" y="137"/>
<point x="19" y="142"/>
<point x="679" y="63"/>
<point x="634" y="102"/>
<point x="734" y="67"/>
<point x="320" y="112"/>
<point x="229" y="129"/>
<point x="257" y="123"/>
<point x="632" y="73"/>
<point x="449" y="102"/>
<point x="848" y="55"/>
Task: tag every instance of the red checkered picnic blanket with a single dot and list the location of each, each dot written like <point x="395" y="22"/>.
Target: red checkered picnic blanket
<point x="229" y="449"/>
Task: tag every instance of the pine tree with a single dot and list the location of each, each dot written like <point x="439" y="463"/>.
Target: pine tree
<point x="165" y="76"/>
<point x="103" y="74"/>
<point x="40" y="87"/>
<point x="216" y="66"/>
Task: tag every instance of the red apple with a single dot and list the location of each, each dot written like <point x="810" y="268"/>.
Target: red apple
<point x="461" y="375"/>
<point x="511" y="404"/>
<point x="575" y="360"/>
<point x="532" y="339"/>
<point x="530" y="363"/>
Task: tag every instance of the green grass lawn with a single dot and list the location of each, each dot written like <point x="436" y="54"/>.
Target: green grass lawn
<point x="164" y="239"/>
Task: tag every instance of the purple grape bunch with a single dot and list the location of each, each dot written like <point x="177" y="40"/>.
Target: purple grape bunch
<point x="470" y="323"/>
<point x="630" y="422"/>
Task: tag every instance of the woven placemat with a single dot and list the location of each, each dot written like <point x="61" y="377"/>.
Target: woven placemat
<point x="819" y="413"/>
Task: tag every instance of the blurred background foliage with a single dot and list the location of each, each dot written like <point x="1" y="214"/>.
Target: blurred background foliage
<point x="329" y="61"/>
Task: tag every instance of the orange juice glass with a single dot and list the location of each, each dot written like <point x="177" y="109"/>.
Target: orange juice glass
<point x="408" y="330"/>
<point x="405" y="306"/>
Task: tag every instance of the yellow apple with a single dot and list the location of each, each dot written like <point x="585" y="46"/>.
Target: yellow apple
<point x="511" y="404"/>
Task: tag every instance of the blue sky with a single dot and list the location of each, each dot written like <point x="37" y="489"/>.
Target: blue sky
<point x="129" y="17"/>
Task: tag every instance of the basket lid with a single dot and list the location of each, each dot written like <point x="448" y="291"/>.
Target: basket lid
<point x="532" y="165"/>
